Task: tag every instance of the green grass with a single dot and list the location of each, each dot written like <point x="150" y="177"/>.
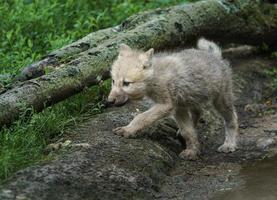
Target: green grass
<point x="272" y="73"/>
<point x="24" y="142"/>
<point x="30" y="29"/>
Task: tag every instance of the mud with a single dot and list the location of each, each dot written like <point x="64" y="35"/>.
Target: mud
<point x="259" y="182"/>
<point x="100" y="165"/>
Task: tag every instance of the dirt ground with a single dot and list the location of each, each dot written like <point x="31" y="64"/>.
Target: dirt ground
<point x="100" y="165"/>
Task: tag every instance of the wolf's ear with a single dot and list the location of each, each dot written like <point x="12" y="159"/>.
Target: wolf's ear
<point x="149" y="53"/>
<point x="124" y="48"/>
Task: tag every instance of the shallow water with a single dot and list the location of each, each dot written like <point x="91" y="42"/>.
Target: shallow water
<point x="260" y="182"/>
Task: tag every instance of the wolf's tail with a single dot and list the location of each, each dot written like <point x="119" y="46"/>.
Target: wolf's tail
<point x="209" y="46"/>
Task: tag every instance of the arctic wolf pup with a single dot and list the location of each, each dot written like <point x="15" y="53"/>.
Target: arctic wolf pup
<point x="178" y="83"/>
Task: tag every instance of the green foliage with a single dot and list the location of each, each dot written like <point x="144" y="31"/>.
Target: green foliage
<point x="272" y="73"/>
<point x="31" y="28"/>
<point x="24" y="142"/>
<point x="274" y="54"/>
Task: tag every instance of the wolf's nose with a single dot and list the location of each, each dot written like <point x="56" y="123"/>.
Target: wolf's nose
<point x="109" y="102"/>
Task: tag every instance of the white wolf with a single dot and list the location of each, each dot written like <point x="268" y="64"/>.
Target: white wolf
<point x="178" y="83"/>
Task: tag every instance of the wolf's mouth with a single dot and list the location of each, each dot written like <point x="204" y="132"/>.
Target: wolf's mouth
<point x="118" y="104"/>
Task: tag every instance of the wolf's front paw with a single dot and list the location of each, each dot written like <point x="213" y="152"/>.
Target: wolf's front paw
<point x="227" y="148"/>
<point x="124" y="131"/>
<point x="189" y="154"/>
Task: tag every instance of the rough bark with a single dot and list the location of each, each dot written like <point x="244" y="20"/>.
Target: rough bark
<point x="86" y="62"/>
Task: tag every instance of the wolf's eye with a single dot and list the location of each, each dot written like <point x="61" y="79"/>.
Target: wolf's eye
<point x="126" y="83"/>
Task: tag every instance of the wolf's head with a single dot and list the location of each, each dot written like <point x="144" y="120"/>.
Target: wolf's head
<point x="128" y="73"/>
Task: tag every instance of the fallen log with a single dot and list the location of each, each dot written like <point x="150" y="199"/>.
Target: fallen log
<point x="86" y="62"/>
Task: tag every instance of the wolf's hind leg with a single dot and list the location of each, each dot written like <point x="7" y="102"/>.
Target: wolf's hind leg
<point x="225" y="107"/>
<point x="185" y="122"/>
